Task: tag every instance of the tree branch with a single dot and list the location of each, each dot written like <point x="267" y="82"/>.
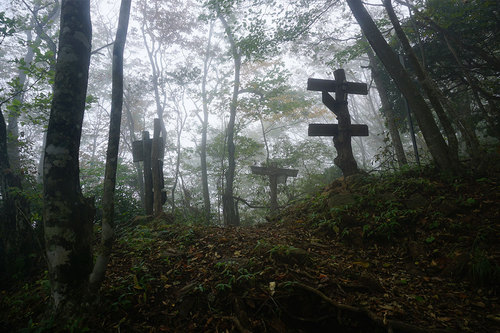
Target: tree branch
<point x="102" y="47"/>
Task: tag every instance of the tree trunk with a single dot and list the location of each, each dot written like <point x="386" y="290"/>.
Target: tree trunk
<point x="180" y="126"/>
<point x="229" y="210"/>
<point x="108" y="201"/>
<point x="430" y="131"/>
<point x="155" y="71"/>
<point x="436" y="98"/>
<point x="17" y="240"/>
<point x="148" y="175"/>
<point x="67" y="214"/>
<point x="156" y="168"/>
<point x="204" y="129"/>
<point x="264" y="137"/>
<point x="388" y="111"/>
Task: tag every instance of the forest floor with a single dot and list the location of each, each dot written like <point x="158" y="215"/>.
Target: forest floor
<point x="408" y="252"/>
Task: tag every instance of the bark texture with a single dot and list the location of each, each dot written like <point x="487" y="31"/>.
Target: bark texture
<point x="68" y="215"/>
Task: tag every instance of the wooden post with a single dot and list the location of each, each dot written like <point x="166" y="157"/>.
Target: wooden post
<point x="343" y="131"/>
<point x="273" y="185"/>
<point x="150" y="151"/>
<point x="276" y="175"/>
<point x="148" y="176"/>
<point x="155" y="167"/>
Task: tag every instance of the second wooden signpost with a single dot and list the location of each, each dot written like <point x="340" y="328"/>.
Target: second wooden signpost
<point x="150" y="152"/>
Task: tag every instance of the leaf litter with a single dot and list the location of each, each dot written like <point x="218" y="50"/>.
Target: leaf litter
<point x="298" y="273"/>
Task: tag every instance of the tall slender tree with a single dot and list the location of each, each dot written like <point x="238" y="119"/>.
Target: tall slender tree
<point x="113" y="146"/>
<point x="228" y="203"/>
<point x="204" y="129"/>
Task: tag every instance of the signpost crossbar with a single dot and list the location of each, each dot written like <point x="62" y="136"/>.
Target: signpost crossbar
<point x="357" y="88"/>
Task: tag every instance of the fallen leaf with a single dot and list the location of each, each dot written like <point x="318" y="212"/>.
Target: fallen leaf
<point x="272" y="287"/>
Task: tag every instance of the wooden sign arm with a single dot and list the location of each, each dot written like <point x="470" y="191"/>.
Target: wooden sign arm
<point x="331" y="103"/>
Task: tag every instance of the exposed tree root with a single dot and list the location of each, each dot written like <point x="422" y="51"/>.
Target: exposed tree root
<point x="389" y="325"/>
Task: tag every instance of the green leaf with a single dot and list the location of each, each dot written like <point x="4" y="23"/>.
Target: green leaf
<point x="430" y="239"/>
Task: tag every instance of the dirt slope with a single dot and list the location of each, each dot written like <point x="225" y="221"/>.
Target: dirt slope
<point x="404" y="253"/>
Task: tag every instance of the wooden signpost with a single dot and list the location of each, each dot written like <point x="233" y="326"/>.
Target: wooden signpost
<point x="150" y="151"/>
<point x="276" y="176"/>
<point x="344" y="130"/>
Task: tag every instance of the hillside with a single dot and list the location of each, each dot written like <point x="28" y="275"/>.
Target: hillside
<point x="407" y="252"/>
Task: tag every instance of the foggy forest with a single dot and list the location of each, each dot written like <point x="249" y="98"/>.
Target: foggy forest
<point x="249" y="166"/>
